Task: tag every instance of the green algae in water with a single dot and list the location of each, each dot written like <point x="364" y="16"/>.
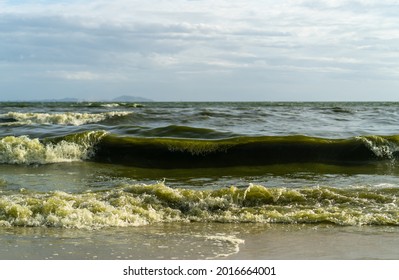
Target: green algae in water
<point x="135" y="205"/>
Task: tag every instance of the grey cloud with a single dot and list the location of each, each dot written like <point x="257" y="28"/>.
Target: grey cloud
<point x="260" y="47"/>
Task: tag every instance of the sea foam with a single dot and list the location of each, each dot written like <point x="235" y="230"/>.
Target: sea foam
<point x="24" y="150"/>
<point x="136" y="205"/>
<point x="67" y="118"/>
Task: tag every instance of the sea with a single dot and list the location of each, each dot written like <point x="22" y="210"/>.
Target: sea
<point x="199" y="180"/>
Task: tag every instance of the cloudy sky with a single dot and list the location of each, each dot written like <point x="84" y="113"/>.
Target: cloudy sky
<point x="194" y="50"/>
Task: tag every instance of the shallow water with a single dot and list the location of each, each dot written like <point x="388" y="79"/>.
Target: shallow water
<point x="199" y="241"/>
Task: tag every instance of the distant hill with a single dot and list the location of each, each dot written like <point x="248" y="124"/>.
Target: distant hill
<point x="128" y="98"/>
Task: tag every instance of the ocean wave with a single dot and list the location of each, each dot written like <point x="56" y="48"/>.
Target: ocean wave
<point x="382" y="147"/>
<point x="167" y="153"/>
<point x="78" y="104"/>
<point x="23" y="150"/>
<point x="137" y="205"/>
<point x="67" y="118"/>
<point x="244" y="151"/>
<point x="121" y="104"/>
<point x="179" y="131"/>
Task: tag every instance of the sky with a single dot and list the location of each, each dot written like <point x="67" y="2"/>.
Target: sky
<point x="194" y="50"/>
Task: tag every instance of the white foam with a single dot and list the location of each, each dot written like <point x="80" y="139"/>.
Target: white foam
<point x="381" y="147"/>
<point x="229" y="239"/>
<point x="23" y="150"/>
<point x="67" y="118"/>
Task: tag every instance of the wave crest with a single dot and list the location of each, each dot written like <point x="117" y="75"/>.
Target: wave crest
<point x="23" y="150"/>
<point x="67" y="118"/>
<point x="383" y="147"/>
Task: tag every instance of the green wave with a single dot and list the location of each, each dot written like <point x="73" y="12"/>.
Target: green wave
<point x="244" y="151"/>
<point x="135" y="205"/>
<point x="178" y="131"/>
<point x="167" y="153"/>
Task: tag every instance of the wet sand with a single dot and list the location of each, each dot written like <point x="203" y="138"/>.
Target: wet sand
<point x="196" y="241"/>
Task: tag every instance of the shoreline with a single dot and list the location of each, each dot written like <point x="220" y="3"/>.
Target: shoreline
<point x="202" y="241"/>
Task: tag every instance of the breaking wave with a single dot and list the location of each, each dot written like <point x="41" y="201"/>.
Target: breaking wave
<point x="169" y="153"/>
<point x="136" y="205"/>
<point x="67" y="118"/>
<point x="23" y="150"/>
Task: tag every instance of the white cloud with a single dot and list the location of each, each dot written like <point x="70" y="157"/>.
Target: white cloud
<point x="79" y="75"/>
<point x="114" y="41"/>
<point x="85" y="75"/>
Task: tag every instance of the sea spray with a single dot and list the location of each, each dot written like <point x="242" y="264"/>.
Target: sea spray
<point x="382" y="147"/>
